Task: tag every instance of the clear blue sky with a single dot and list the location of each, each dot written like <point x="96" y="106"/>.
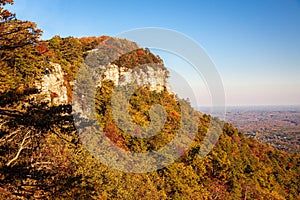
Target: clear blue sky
<point x="255" y="44"/>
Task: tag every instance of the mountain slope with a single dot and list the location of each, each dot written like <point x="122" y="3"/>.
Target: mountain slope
<point x="43" y="156"/>
<point x="56" y="164"/>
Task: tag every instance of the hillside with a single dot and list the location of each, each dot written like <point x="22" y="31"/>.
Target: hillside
<point x="44" y="155"/>
<point x="275" y="125"/>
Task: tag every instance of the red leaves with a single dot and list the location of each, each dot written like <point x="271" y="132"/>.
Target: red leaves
<point x="53" y="95"/>
<point x="111" y="132"/>
<point x="140" y="52"/>
<point x="42" y="49"/>
<point x="287" y="190"/>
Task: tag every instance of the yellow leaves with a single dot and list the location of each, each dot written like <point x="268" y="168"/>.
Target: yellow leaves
<point x="18" y="55"/>
<point x="16" y="34"/>
<point x="182" y="182"/>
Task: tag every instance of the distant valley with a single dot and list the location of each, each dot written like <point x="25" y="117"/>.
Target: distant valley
<point x="278" y="126"/>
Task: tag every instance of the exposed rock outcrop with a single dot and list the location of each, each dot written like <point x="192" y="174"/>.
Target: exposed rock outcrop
<point x="155" y="76"/>
<point x="53" y="87"/>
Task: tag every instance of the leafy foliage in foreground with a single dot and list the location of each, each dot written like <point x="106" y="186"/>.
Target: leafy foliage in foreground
<point x="54" y="163"/>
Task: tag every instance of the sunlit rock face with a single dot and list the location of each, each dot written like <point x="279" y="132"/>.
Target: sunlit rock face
<point x="154" y="76"/>
<point x="52" y="87"/>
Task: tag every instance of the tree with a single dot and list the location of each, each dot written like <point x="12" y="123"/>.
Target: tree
<point x="5" y="14"/>
<point x="15" y="33"/>
<point x="19" y="57"/>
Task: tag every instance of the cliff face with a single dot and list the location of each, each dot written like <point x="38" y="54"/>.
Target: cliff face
<point x="53" y="87"/>
<point x="155" y="76"/>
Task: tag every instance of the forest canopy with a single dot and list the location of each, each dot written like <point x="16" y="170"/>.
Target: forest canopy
<point x="43" y="157"/>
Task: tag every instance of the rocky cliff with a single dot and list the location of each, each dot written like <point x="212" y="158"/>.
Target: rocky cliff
<point x="154" y="76"/>
<point x="53" y="87"/>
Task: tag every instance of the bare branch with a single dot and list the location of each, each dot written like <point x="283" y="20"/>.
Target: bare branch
<point x="9" y="137"/>
<point x="20" y="149"/>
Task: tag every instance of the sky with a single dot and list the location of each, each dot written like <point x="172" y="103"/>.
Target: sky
<point x="254" y="44"/>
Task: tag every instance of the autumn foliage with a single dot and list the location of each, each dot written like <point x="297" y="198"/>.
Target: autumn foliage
<point x="43" y="157"/>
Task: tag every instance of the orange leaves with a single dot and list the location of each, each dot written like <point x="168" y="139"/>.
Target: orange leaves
<point x="175" y="115"/>
<point x="42" y="48"/>
<point x="136" y="58"/>
<point x="111" y="132"/>
<point x="53" y="94"/>
<point x="20" y="90"/>
<point x="5" y="15"/>
<point x="90" y="43"/>
<point x="140" y="52"/>
<point x="3" y="2"/>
